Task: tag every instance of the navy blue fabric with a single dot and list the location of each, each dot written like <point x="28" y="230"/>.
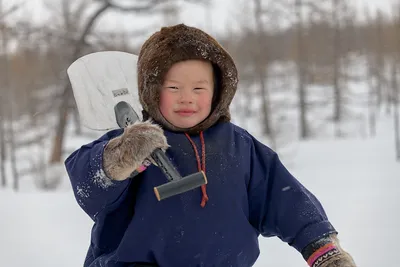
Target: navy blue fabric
<point x="250" y="192"/>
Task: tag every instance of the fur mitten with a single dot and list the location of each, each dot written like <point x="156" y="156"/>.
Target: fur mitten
<point x="327" y="252"/>
<point x="126" y="153"/>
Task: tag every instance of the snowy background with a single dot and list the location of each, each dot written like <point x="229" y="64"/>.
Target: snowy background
<point x="356" y="177"/>
<point x="357" y="181"/>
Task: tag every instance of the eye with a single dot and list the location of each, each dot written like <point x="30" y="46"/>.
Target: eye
<point x="199" y="88"/>
<point x="172" y="87"/>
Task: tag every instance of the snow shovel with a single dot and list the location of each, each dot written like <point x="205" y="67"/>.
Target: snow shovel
<point x="104" y="87"/>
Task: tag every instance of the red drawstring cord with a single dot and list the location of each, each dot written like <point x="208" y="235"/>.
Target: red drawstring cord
<point x="201" y="165"/>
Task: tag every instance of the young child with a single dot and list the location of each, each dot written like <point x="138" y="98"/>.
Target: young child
<point x="186" y="83"/>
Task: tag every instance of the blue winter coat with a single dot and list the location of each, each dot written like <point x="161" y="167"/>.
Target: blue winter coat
<point x="250" y="193"/>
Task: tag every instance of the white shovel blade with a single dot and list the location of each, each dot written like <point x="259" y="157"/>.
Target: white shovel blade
<point x="99" y="81"/>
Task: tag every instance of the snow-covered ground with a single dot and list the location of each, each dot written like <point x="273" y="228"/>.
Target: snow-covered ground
<point x="357" y="180"/>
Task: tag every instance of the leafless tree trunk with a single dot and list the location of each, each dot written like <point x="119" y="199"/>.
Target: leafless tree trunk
<point x="336" y="65"/>
<point x="3" y="118"/>
<point x="376" y="61"/>
<point x="342" y="19"/>
<point x="58" y="141"/>
<point x="13" y="151"/>
<point x="8" y="101"/>
<point x="395" y="83"/>
<point x="77" y="121"/>
<point x="371" y="75"/>
<point x="396" y="117"/>
<point x="2" y="145"/>
<point x="11" y="112"/>
<point x="371" y="104"/>
<point x="261" y="68"/>
<point x="380" y="62"/>
<point x="301" y="72"/>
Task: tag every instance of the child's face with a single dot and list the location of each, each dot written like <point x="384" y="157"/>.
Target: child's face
<point x="187" y="92"/>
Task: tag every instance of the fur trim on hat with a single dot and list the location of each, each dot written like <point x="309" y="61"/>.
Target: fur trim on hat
<point x="178" y="43"/>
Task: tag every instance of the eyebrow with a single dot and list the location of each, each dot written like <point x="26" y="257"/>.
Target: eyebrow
<point x="197" y="82"/>
<point x="173" y="81"/>
<point x="202" y="81"/>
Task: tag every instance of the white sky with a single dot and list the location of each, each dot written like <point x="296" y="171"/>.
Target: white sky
<point x="225" y="13"/>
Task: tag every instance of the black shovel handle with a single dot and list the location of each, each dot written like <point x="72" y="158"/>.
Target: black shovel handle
<point x="185" y="184"/>
<point x="163" y="162"/>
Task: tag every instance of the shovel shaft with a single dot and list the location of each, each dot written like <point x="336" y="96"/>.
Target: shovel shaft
<point x="165" y="165"/>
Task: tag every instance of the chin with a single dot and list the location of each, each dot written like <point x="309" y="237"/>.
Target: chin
<point x="185" y="124"/>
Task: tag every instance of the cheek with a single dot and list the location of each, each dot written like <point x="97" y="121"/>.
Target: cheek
<point x="166" y="102"/>
<point x="205" y="101"/>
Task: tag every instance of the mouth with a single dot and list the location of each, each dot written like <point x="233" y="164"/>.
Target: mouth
<point x="185" y="112"/>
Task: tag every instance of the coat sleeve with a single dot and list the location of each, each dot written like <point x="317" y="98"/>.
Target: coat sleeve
<point x="280" y="205"/>
<point x="93" y="190"/>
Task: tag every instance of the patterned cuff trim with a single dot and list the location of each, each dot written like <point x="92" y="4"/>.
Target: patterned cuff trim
<point x="322" y="255"/>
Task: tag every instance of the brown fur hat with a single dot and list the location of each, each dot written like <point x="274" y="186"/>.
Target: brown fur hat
<point x="178" y="43"/>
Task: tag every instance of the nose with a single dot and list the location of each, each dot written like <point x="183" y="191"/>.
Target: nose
<point x="186" y="96"/>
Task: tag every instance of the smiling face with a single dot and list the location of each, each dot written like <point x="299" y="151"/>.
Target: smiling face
<point x="187" y="93"/>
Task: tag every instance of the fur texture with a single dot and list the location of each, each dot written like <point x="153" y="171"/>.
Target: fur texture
<point x="340" y="260"/>
<point x="126" y="153"/>
<point x="178" y="43"/>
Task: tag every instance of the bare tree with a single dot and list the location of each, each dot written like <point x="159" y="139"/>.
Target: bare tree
<point x="395" y="83"/>
<point x="241" y="47"/>
<point x="56" y="153"/>
<point x="138" y="6"/>
<point x="10" y="115"/>
<point x="68" y="21"/>
<point x="396" y="116"/>
<point x="7" y="105"/>
<point x="301" y="63"/>
<point x="336" y="60"/>
<point x="376" y="69"/>
<point x="79" y="45"/>
<point x="376" y="57"/>
<point x="380" y="60"/>
<point x="2" y="145"/>
<point x="341" y="14"/>
<point x="261" y="68"/>
<point x="3" y="102"/>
